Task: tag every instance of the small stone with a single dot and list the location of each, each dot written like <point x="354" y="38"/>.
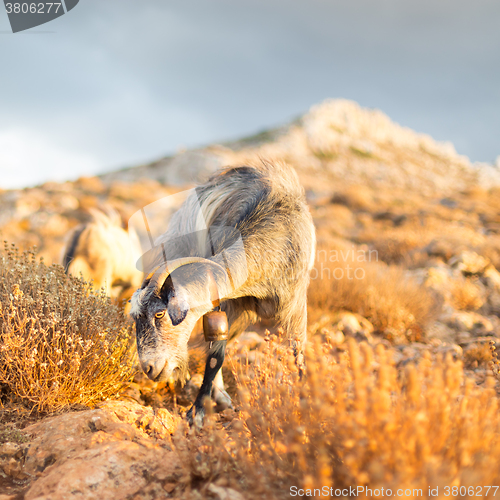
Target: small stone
<point x="469" y="262"/>
<point x="251" y="340"/>
<point x="169" y="487"/>
<point x="454" y="349"/>
<point x="491" y="278"/>
<point x="469" y="321"/>
<point x="221" y="493"/>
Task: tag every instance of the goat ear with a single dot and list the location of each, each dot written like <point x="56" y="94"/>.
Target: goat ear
<point x="177" y="309"/>
<point x="174" y="298"/>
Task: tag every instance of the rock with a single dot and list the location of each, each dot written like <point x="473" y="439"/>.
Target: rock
<point x="221" y="493"/>
<point x="348" y="322"/>
<point x="409" y="352"/>
<point x="115" y="451"/>
<point x="438" y="277"/>
<point x="253" y="356"/>
<point x="92" y="184"/>
<point x="158" y="422"/>
<point x="12" y="467"/>
<point x="454" y="349"/>
<point x="494" y="303"/>
<point x="26" y="206"/>
<point x="189" y="392"/>
<point x="325" y="320"/>
<point x="440" y="331"/>
<point x="9" y="449"/>
<point x="479" y="341"/>
<point x="113" y="470"/>
<point x="343" y="324"/>
<point x="463" y="337"/>
<point x="250" y="339"/>
<point x="351" y="323"/>
<point x="448" y="202"/>
<point x="58" y="438"/>
<point x="470" y="321"/>
<point x="133" y="391"/>
<point x="469" y="262"/>
<point x="397" y="356"/>
<point x="334" y="337"/>
<point x="441" y="249"/>
<point x="491" y="278"/>
<point x="195" y="381"/>
<point x="67" y="202"/>
<point x="364" y="336"/>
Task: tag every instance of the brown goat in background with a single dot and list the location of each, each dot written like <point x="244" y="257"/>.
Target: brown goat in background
<point x="101" y="251"/>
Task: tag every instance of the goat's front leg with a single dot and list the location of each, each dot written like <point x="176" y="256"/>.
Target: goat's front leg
<point x="299" y="324"/>
<point x="300" y="361"/>
<point x="215" y="359"/>
<point x="221" y="398"/>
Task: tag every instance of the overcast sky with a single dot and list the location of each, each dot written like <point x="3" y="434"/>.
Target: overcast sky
<point x="118" y="82"/>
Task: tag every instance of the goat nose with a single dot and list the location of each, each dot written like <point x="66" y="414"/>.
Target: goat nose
<point x="151" y="369"/>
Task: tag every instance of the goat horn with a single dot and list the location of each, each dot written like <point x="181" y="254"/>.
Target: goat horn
<point x="159" y="279"/>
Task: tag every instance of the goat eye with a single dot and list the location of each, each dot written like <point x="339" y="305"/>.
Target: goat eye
<point x="160" y="314"/>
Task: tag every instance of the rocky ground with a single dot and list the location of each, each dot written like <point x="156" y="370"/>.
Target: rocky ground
<point x="426" y="213"/>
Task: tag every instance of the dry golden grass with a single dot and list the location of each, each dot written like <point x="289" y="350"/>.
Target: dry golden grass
<point x="419" y="239"/>
<point x="491" y="250"/>
<point x="359" y="197"/>
<point x="400" y="248"/>
<point x="479" y="355"/>
<point x="353" y="420"/>
<point x="466" y="295"/>
<point x="60" y="344"/>
<point x="392" y="301"/>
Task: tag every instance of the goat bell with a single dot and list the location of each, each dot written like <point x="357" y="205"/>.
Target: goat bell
<point x="215" y="326"/>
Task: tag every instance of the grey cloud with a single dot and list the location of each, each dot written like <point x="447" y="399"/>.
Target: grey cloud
<point x="129" y="80"/>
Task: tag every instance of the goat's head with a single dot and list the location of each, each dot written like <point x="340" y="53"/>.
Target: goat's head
<point x="166" y="308"/>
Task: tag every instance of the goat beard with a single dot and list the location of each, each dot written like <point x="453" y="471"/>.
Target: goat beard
<point x="180" y="375"/>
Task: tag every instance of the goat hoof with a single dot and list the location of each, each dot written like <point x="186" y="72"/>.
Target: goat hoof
<point x="222" y="399"/>
<point x="195" y="420"/>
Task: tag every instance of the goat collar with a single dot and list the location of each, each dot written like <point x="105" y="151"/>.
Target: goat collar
<point x="215" y="325"/>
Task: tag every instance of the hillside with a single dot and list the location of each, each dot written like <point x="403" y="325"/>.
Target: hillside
<point x="403" y="321"/>
<point x="373" y="169"/>
<point x="335" y="142"/>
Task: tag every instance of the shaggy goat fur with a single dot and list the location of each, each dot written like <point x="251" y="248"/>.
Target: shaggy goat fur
<point x="260" y="231"/>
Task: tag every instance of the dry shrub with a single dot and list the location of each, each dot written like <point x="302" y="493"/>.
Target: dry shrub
<point x="491" y="250"/>
<point x="359" y="197"/>
<point x="422" y="237"/>
<point x="466" y="295"/>
<point x="352" y="421"/>
<point x="392" y="301"/>
<point x="478" y="355"/>
<point x="398" y="249"/>
<point x="60" y="344"/>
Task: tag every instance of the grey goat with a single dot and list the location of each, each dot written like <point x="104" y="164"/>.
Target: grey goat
<point x="245" y="236"/>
